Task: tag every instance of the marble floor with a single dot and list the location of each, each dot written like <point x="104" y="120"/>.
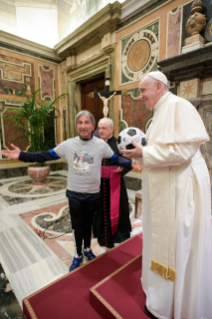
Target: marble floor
<point x="35" y="236"/>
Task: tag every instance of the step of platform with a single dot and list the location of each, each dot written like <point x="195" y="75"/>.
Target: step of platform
<point x="120" y="295"/>
<point x="69" y="296"/>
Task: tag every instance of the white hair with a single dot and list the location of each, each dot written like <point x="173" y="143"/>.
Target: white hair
<point x="86" y="113"/>
<point x="110" y="121"/>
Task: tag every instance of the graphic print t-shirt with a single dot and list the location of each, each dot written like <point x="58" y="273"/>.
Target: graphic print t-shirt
<point x="84" y="161"/>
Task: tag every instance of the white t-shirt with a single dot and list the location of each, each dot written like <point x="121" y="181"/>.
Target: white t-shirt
<point x="84" y="162"/>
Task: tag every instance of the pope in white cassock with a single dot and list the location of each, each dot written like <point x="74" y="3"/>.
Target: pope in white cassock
<point x="176" y="195"/>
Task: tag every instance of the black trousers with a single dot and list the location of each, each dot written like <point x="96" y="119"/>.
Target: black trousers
<point x="82" y="216"/>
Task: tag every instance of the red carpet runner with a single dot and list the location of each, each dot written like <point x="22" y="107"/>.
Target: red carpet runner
<point x="77" y="295"/>
<point x="120" y="295"/>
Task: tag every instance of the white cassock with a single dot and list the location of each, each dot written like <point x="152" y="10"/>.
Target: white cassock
<point x="177" y="232"/>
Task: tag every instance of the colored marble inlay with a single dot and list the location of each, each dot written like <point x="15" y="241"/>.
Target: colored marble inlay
<point x="139" y="54"/>
<point x="135" y="113"/>
<point x="23" y="191"/>
<point x="60" y="224"/>
<point x="9" y="132"/>
<point x="50" y="185"/>
<point x="16" y="76"/>
<point x="173" y="33"/>
<point x="189" y="89"/>
<point x="46" y="82"/>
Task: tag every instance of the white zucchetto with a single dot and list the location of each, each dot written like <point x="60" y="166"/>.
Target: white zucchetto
<point x="159" y="76"/>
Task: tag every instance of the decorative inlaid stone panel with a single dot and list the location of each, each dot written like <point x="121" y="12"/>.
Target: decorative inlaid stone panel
<point x="46" y="82"/>
<point x="173" y="32"/>
<point x="9" y="132"/>
<point x="134" y="113"/>
<point x="207" y="88"/>
<point x="190" y="89"/>
<point x="16" y="76"/>
<point x="139" y="53"/>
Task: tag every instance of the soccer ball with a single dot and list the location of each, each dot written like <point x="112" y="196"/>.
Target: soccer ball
<point x="130" y="134"/>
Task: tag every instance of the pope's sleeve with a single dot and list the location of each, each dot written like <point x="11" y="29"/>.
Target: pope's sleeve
<point x="168" y="155"/>
<point x="176" y="134"/>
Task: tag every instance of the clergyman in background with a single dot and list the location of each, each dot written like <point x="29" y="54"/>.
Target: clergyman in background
<point x="112" y="223"/>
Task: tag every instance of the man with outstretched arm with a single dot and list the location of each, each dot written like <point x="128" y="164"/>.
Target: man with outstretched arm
<point x="84" y="155"/>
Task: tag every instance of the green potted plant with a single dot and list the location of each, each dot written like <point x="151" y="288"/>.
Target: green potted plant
<point x="30" y="122"/>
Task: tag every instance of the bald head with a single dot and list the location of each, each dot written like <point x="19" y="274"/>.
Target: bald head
<point x="105" y="127"/>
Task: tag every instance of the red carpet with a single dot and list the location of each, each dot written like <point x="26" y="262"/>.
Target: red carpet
<point x="69" y="296"/>
<point x="120" y="295"/>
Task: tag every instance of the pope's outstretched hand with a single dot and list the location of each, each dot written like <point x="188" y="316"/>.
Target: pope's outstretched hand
<point x="13" y="153"/>
<point x="136" y="152"/>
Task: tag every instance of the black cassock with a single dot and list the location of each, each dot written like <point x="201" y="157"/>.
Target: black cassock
<point x="102" y="224"/>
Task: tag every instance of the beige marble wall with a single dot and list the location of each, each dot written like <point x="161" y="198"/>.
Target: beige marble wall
<point x="169" y="37"/>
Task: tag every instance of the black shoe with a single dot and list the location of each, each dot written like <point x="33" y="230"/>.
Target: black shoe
<point x="149" y="314"/>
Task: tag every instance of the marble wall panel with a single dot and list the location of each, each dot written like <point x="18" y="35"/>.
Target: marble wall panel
<point x="190" y="89"/>
<point x="134" y="113"/>
<point x="207" y="87"/>
<point x="46" y="82"/>
<point x="174" y="21"/>
<point x="3" y="105"/>
<point x="16" y="76"/>
<point x="10" y="134"/>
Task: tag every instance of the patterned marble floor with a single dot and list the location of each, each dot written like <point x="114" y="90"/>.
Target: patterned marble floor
<point x="35" y="237"/>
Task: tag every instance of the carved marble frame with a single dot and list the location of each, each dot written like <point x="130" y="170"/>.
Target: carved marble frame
<point x="75" y="75"/>
<point x="136" y="36"/>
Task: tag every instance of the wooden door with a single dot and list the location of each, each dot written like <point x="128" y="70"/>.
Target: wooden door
<point x="95" y="104"/>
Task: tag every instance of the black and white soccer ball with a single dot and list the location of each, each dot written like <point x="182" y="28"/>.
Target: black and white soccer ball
<point x="126" y="136"/>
